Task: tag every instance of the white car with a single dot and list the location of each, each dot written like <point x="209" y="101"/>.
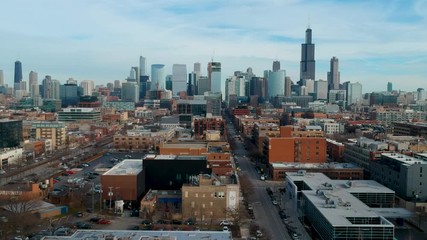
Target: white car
<point x="225" y="229"/>
<point x="225" y="223"/>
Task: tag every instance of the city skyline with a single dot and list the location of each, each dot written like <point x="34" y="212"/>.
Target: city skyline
<point x="376" y="42"/>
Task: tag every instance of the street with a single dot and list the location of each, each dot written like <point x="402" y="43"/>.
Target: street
<point x="266" y="214"/>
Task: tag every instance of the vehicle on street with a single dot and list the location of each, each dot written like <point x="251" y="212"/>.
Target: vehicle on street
<point x="262" y="178"/>
<point x="78" y="214"/>
<point x="85" y="164"/>
<point x="225" y="229"/>
<point x="94" y="219"/>
<point x="70" y="172"/>
<point x="225" y="223"/>
<point x="258" y="233"/>
<point x="274" y="202"/>
<point x="190" y="221"/>
<point x="146" y="222"/>
<point x="103" y="221"/>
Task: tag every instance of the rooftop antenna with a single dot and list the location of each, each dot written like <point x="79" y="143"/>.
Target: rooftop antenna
<point x="213" y="54"/>
<point x="308" y="26"/>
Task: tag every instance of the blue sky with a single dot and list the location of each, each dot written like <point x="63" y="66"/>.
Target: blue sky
<point x="375" y="41"/>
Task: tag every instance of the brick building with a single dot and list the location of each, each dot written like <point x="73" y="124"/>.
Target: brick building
<point x="218" y="153"/>
<point x="296" y="145"/>
<point x="201" y="124"/>
<point x="335" y="150"/>
<point x="339" y="171"/>
<point x="209" y="197"/>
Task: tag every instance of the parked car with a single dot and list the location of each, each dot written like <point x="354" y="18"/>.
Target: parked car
<point x="275" y="202"/>
<point x="78" y="214"/>
<point x="70" y="172"/>
<point x="94" y="219"/>
<point x="225" y="223"/>
<point x="258" y="233"/>
<point x="225" y="229"/>
<point x="190" y="221"/>
<point x="85" y="164"/>
<point x="146" y="222"/>
<point x="103" y="221"/>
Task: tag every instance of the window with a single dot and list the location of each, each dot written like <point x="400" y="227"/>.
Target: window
<point x="186" y="194"/>
<point x="219" y="194"/>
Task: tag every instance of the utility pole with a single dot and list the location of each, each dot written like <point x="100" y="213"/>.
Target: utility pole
<point x="93" y="196"/>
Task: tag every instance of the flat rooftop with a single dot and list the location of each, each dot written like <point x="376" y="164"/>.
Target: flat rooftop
<point x="145" y="235"/>
<point x="404" y="159"/>
<point x="334" y="199"/>
<point x="332" y="165"/>
<point x="185" y="145"/>
<point x="174" y="157"/>
<point x="126" y="167"/>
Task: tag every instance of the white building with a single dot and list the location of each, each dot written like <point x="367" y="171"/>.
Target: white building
<point x="10" y="156"/>
<point x="88" y="86"/>
<point x="354" y="93"/>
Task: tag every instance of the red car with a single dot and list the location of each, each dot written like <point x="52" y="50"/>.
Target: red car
<point x="70" y="172"/>
<point x="103" y="221"/>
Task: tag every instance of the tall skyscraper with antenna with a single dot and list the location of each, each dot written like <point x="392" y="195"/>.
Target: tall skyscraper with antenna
<point x="307" y="64"/>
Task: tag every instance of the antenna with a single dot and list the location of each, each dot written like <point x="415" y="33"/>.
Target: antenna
<point x="213" y="54"/>
<point x="308" y="20"/>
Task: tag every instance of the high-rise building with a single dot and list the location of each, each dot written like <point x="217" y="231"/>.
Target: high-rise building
<point x="389" y="87"/>
<point x="55" y="89"/>
<point x="190" y="86"/>
<point x="142" y="66"/>
<point x="133" y="75"/>
<point x="1" y="78"/>
<point x="307" y="64"/>
<point x="70" y="93"/>
<point x="168" y="82"/>
<point x="88" y="87"/>
<point x="130" y="92"/>
<point x="32" y="80"/>
<point x="334" y="75"/>
<point x="10" y="133"/>
<point x="354" y="93"/>
<point x="276" y="84"/>
<point x="46" y="87"/>
<point x="276" y="66"/>
<point x="235" y="85"/>
<point x="321" y="89"/>
<point x="203" y="85"/>
<point x="18" y="75"/>
<point x="117" y="84"/>
<point x="288" y="84"/>
<point x="214" y="75"/>
<point x="421" y="94"/>
<point x="179" y="78"/>
<point x="157" y="76"/>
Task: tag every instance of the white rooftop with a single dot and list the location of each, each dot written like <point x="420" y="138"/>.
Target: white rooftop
<point x="346" y="206"/>
<point x="333" y="165"/>
<point x="404" y="159"/>
<point x="146" y="235"/>
<point x="126" y="167"/>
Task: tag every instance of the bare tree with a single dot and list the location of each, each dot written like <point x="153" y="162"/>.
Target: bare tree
<point x="18" y="216"/>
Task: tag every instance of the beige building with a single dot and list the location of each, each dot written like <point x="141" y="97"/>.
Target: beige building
<point x="209" y="197"/>
<point x="54" y="131"/>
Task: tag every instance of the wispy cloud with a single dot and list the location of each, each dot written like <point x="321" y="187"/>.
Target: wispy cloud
<point x="374" y="40"/>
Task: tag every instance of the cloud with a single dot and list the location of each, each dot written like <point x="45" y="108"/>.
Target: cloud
<point x="102" y="40"/>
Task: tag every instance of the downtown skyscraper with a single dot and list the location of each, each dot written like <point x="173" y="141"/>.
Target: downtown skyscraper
<point x="307" y="64"/>
<point x="18" y="75"/>
<point x="214" y="75"/>
<point x="334" y="75"/>
<point x="179" y="78"/>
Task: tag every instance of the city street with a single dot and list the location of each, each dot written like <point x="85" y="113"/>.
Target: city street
<point x="266" y="214"/>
